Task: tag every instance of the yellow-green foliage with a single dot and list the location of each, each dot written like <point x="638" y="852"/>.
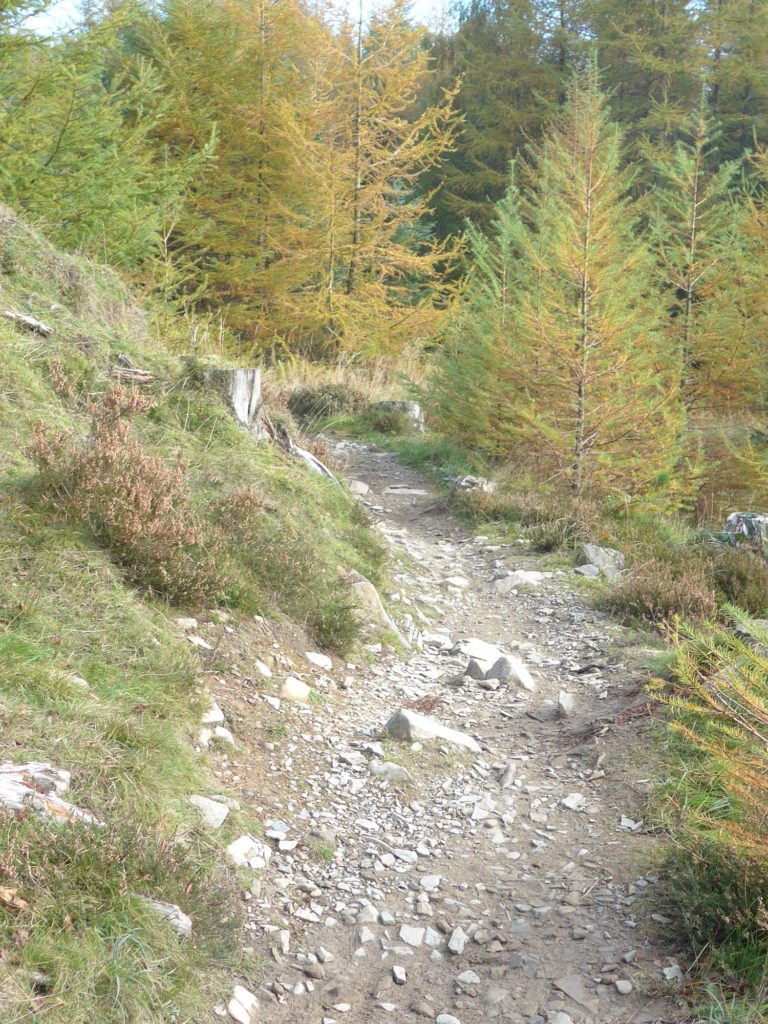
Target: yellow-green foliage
<point x="716" y="800"/>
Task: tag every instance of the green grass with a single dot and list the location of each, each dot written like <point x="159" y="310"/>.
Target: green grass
<point x="128" y="739"/>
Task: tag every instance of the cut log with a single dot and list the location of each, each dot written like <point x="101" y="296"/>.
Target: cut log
<point x="29" y="323"/>
<point x="131" y="375"/>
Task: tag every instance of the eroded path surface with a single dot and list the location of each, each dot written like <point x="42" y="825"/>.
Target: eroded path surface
<point x="507" y="885"/>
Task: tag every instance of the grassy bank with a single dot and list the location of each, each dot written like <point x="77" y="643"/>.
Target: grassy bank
<point x="119" y="513"/>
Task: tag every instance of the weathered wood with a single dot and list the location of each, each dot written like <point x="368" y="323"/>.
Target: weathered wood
<point x="131" y="375"/>
<point x="29" y="323"/>
<point x="241" y="390"/>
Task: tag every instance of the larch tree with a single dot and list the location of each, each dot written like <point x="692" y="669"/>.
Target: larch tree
<point x="596" y="388"/>
<point x="703" y="254"/>
<point x="472" y="388"/>
<point x="236" y="68"/>
<point x="386" y="264"/>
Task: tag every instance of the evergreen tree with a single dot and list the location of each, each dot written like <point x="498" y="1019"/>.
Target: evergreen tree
<point x="653" y="58"/>
<point x="737" y="70"/>
<point x="499" y="55"/>
<point x="705" y="263"/>
<point x="77" y="151"/>
<point x="471" y="390"/>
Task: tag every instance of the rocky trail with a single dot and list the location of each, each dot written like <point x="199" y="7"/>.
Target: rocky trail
<point x="502" y="880"/>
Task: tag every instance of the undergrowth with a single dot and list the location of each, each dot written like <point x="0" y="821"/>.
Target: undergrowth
<point x="714" y="802"/>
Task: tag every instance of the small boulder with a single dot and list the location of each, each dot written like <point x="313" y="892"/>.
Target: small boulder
<point x="566" y="702"/>
<point x="358" y="488"/>
<point x="609" y="561"/>
<point x="294" y="691"/>
<point x="409" y="726"/>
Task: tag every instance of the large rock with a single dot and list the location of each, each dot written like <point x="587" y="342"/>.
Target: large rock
<point x="609" y="561"/>
<point x="510" y="669"/>
<point x="368" y="603"/>
<point x="482" y="652"/>
<point x="409" y="726"/>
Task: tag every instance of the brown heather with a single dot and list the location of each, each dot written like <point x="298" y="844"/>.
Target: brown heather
<point x="135" y="504"/>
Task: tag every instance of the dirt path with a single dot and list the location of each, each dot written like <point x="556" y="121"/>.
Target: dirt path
<point x="507" y="885"/>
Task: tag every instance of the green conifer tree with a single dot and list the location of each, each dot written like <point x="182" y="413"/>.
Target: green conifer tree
<point x="703" y="253"/>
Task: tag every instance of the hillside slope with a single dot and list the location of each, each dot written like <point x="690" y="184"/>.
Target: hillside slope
<point x="96" y="677"/>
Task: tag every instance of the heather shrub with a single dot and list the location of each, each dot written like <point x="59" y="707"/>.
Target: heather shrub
<point x="741" y="578"/>
<point x="324" y="400"/>
<point x="658" y="591"/>
<point x="135" y="504"/>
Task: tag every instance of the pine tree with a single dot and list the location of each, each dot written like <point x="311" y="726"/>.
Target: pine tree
<point x="499" y="55"/>
<point x="704" y="258"/>
<point x="737" y="70"/>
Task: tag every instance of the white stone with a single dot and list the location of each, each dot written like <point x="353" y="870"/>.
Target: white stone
<point x="399" y="975"/>
<point x="566" y="702"/>
<point x="320" y="660"/>
<point x="468" y="978"/>
<point x="623" y="987"/>
<point x="212" y="812"/>
<point x="411" y="936"/>
<point x="213" y="716"/>
<point x="574" y="801"/>
<point x="174" y="915"/>
<point x="429" y="883"/>
<point x="390" y="772"/>
<point x="186" y="623"/>
<point x="247" y="851"/>
<point x="294" y="691"/>
<point x="457" y="941"/>
<point x="359" y="488"/>
<point x="446" y="1018"/>
<point x="243" y="1005"/>
<point x="199" y="642"/>
<point x="408" y="726"/>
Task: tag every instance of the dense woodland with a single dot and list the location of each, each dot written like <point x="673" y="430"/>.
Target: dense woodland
<point x="563" y="202"/>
